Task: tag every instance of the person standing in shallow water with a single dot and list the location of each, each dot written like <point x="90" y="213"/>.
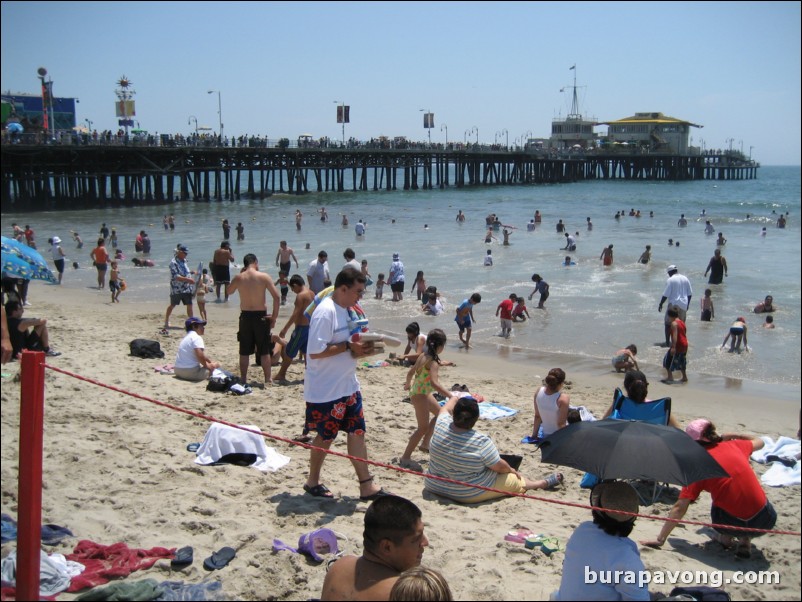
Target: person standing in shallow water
<point x="717" y="268"/>
<point x="607" y="255"/>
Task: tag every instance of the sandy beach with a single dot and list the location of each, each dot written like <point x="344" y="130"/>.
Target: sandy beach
<point x="116" y="468"/>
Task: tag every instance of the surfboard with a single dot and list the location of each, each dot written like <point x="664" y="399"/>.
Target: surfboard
<point x="198" y="278"/>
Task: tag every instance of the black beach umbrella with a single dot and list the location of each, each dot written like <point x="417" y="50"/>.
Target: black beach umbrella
<point x="627" y="449"/>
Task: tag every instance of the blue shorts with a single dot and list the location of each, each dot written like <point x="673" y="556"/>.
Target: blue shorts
<point x="330" y="417"/>
<point x="674" y="362"/>
<point x="298" y="341"/>
<point x="463" y="323"/>
<point x="765" y="519"/>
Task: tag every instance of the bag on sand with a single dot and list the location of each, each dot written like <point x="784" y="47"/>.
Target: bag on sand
<point x="146" y="348"/>
<point x="701" y="592"/>
<point x="221" y="381"/>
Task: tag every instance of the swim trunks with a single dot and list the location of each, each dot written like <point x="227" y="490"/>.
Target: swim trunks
<point x="298" y="341"/>
<point x="254" y="332"/>
<point x="329" y="418"/>
<point x="221" y="273"/>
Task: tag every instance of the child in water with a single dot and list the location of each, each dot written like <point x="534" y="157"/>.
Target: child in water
<point x="708" y="311"/>
<point x="736" y="335"/>
<point x="284" y="285"/>
<point x="419" y="285"/>
<point x="115" y="283"/>
<point x="380" y="286"/>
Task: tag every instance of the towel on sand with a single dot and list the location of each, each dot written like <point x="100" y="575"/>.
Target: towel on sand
<point x="221" y="440"/>
<point x="108" y="562"/>
<point x="779" y="475"/>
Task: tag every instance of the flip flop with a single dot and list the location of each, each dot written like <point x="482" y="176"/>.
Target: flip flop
<point x="318" y="490"/>
<point x="374" y="496"/>
<point x="193" y="447"/>
<point x="183" y="557"/>
<point x="219" y="559"/>
<point x="553" y="480"/>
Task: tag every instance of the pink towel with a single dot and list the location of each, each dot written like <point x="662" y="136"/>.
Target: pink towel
<point x="108" y="562"/>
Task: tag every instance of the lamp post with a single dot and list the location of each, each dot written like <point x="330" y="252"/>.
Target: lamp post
<point x="342" y="115"/>
<point x="427" y="124"/>
<point x="47" y="102"/>
<point x="219" y="112"/>
<point x="89" y="124"/>
<point x="750" y="152"/>
<point x="730" y="141"/>
<point x="524" y="137"/>
<point x="476" y="129"/>
<point x="195" y="119"/>
<point x="741" y="142"/>
<point x="507" y="141"/>
<point x="444" y="126"/>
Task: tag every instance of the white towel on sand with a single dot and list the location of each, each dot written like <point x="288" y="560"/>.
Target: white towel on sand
<point x="221" y="439"/>
<point x="779" y="475"/>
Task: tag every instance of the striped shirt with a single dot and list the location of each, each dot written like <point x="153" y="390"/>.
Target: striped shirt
<point x="461" y="456"/>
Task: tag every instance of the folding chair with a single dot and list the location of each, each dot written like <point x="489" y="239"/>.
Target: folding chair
<point x="654" y="412"/>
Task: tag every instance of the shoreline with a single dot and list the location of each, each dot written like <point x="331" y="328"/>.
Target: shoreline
<point x="116" y="468"/>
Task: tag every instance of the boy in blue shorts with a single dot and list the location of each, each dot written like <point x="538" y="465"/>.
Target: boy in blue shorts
<point x="300" y="336"/>
<point x="465" y="318"/>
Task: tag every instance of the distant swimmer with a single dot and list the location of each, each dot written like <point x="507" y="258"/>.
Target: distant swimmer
<point x="560" y="227"/>
<point x="607" y="255"/>
<point x="721" y="241"/>
<point x="538" y="217"/>
<point x="781" y="221"/>
<point x="646" y="255"/>
<point x="709" y="227"/>
<point x="568" y="261"/>
<point x="570" y="243"/>
<point x="489" y="236"/>
<point x="682" y="222"/>
<point x="530" y="227"/>
<point x="590" y="225"/>
<point x="460" y="216"/>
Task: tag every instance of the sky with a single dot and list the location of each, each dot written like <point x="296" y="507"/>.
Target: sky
<point x="493" y="68"/>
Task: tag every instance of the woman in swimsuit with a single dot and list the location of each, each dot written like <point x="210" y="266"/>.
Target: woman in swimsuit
<point x="421" y="393"/>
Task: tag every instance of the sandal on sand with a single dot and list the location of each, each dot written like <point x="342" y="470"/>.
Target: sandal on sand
<point x="318" y="490"/>
<point x="183" y="557"/>
<point x="553" y="480"/>
<point x="219" y="559"/>
<point x="374" y="496"/>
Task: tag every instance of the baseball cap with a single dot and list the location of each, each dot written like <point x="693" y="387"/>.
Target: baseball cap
<point x="615" y="496"/>
<point x="696" y="429"/>
<point x="190" y="322"/>
<point x="182" y="249"/>
<point x="671" y="268"/>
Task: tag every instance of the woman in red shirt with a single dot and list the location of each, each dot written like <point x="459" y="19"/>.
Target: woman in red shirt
<point x="100" y="257"/>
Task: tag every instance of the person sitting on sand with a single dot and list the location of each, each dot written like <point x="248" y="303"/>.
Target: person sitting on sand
<point x="766" y="306"/>
<point x="191" y="361"/>
<point x="738" y="500"/>
<point x="636" y="387"/>
<point x="37" y="339"/>
<point x="458" y="452"/>
<point x="393" y="541"/>
<point x="416" y="344"/>
<point x="551" y="405"/>
<point x="624" y="359"/>
<point x="602" y="546"/>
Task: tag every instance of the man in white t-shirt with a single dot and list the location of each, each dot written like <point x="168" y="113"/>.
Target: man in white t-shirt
<point x="678" y="292"/>
<point x="350" y="259"/>
<point x="191" y="361"/>
<point x="331" y="389"/>
<point x="318" y="272"/>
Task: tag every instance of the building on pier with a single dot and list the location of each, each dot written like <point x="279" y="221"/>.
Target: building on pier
<point x="651" y="132"/>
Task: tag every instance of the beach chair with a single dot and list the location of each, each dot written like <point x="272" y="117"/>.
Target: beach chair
<point x="654" y="412"/>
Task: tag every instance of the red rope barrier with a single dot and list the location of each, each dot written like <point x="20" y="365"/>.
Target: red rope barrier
<point x="398" y="468"/>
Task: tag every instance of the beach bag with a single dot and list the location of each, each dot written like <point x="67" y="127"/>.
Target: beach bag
<point x="314" y="544"/>
<point x="146" y="348"/>
<point x="221" y="381"/>
<point x="702" y="592"/>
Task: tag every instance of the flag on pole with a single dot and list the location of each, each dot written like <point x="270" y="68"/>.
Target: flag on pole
<point x="573" y="67"/>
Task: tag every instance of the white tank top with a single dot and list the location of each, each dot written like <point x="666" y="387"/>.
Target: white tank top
<point x="547" y="406"/>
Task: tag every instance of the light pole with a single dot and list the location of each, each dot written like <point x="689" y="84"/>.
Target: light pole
<point x="428" y="124"/>
<point x="195" y="119"/>
<point x="341" y="117"/>
<point x="750" y="152"/>
<point x="507" y="134"/>
<point x="741" y="142"/>
<point x="730" y="141"/>
<point x="219" y="112"/>
<point x="89" y="124"/>
<point x="524" y="137"/>
<point x="47" y="102"/>
<point x="442" y="127"/>
<point x="476" y="129"/>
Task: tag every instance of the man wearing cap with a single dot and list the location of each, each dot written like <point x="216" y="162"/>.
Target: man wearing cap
<point x="220" y="267"/>
<point x="678" y="293"/>
<point x="738" y="500"/>
<point x="181" y="283"/>
<point x="318" y="272"/>
<point x="58" y="256"/>
<point x="599" y="550"/>
<point x="191" y="361"/>
<point x="396" y="279"/>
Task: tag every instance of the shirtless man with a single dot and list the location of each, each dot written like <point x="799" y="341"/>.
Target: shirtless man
<point x="283" y="257"/>
<point x="254" y="324"/>
<point x="220" y="267"/>
<point x="297" y="343"/>
<point x="393" y="542"/>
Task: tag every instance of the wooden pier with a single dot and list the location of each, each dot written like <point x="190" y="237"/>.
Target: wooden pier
<point x="55" y="176"/>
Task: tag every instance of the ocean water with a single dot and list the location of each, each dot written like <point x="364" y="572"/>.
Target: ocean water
<point x="592" y="310"/>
